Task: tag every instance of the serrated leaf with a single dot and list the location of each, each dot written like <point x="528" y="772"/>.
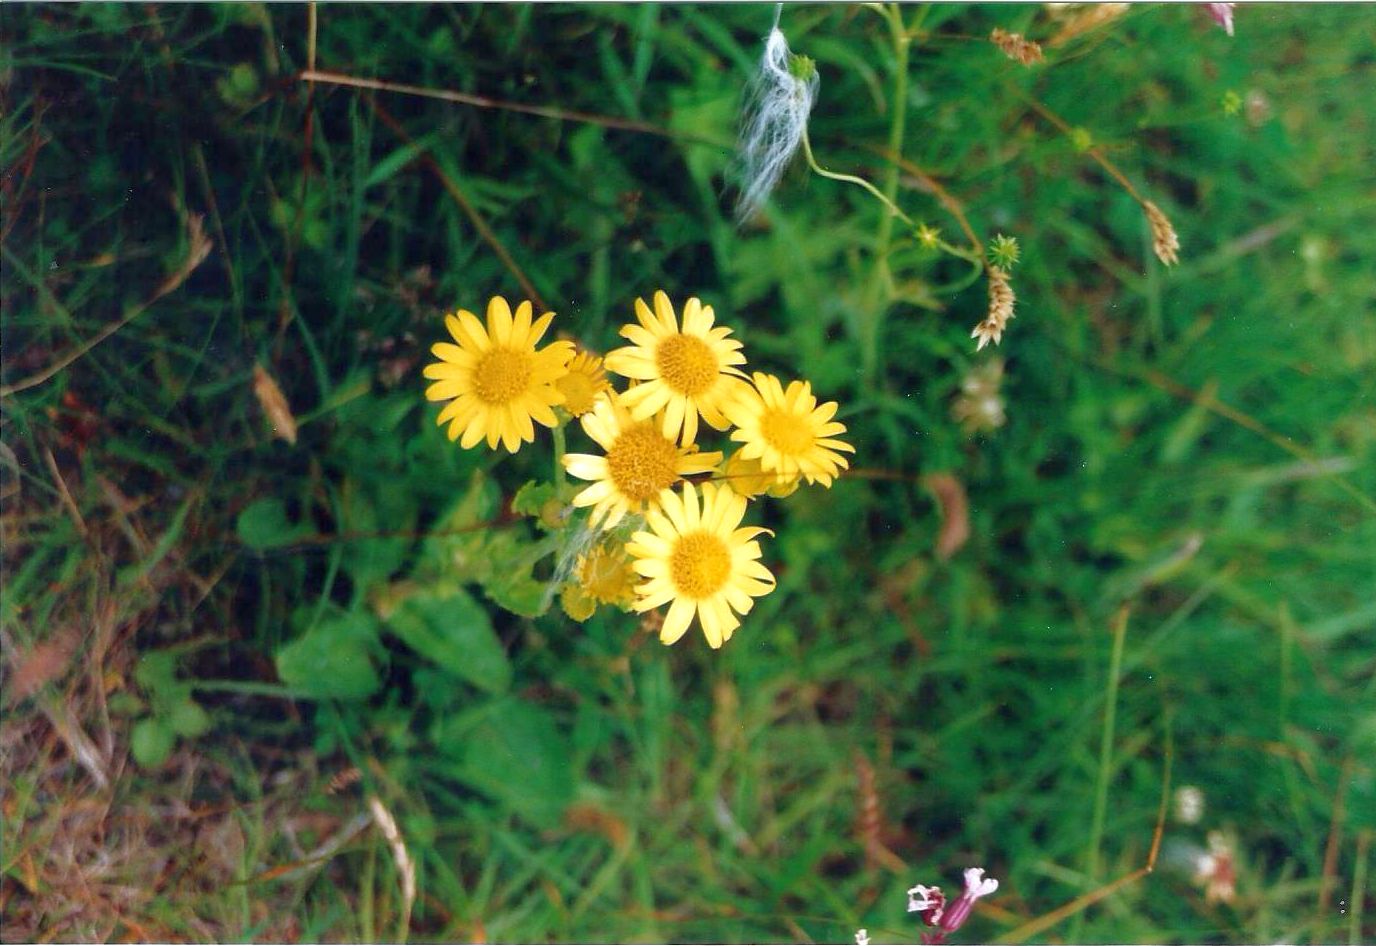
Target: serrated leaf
<point x="455" y="632"/>
<point x="332" y="660"/>
<point x="530" y="499"/>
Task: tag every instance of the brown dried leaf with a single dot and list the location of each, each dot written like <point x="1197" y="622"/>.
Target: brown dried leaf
<point x="31" y="671"/>
<point x="955" y="513"/>
<point x="274" y="405"/>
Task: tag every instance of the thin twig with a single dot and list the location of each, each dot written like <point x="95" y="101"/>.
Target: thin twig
<point x="65" y="493"/>
<point x="1048" y="920"/>
<point x="479" y="224"/>
<point x="482" y="101"/>
<point x="199" y="249"/>
<point x="953" y="206"/>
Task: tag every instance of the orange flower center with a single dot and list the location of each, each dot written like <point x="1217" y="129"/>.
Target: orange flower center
<point x="699" y="565"/>
<point x="686" y="364"/>
<point x="641" y="462"/>
<point x="501" y="375"/>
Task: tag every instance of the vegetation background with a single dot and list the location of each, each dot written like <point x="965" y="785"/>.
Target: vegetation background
<point x="253" y="688"/>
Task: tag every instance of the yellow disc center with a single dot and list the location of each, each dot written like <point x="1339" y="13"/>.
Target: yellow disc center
<point x="579" y="390"/>
<point x="699" y="565"/>
<point x="501" y="375"/>
<point x="788" y="433"/>
<point x="686" y="364"/>
<point x="642" y="462"/>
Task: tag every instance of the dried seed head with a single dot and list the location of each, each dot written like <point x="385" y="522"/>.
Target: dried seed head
<point x="979" y="405"/>
<point x="1001" y="302"/>
<point x="1085" y="17"/>
<point x="274" y="404"/>
<point x="1016" y="47"/>
<point x="1163" y="238"/>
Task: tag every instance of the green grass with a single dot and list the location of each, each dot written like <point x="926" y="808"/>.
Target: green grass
<point x="204" y="625"/>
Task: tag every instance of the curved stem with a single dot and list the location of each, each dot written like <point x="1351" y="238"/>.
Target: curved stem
<point x="893" y="208"/>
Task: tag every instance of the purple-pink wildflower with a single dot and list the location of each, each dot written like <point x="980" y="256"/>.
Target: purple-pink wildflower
<point x="1222" y="14"/>
<point x="934" y="910"/>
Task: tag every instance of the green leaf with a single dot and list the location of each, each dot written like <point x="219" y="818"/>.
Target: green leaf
<point x="530" y="499"/>
<point x="189" y="719"/>
<point x="151" y="742"/>
<point x="455" y="632"/>
<point x="264" y="525"/>
<point x="332" y="660"/>
<point x="514" y="751"/>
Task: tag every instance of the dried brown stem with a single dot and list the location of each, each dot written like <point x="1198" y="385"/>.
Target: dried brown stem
<point x="199" y="249"/>
<point x="489" y="237"/>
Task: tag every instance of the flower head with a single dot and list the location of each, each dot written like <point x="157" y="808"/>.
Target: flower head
<point x="788" y="432"/>
<point x="1164" y="243"/>
<point x="778" y="104"/>
<point x="946" y="917"/>
<point x="640" y="463"/>
<point x="1222" y="14"/>
<point x="1001" y="302"/>
<point x="697" y="556"/>
<point x="602" y="575"/>
<point x="927" y="901"/>
<point x="749" y="479"/>
<point x="979" y="405"/>
<point x="683" y="372"/>
<point x="586" y="379"/>
<point x="495" y="379"/>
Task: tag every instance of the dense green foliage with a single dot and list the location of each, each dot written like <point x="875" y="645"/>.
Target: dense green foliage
<point x="219" y="622"/>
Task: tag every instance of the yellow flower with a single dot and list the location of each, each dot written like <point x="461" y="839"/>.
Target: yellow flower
<point x="495" y="379"/>
<point x="749" y="479"/>
<point x="640" y="463"/>
<point x="697" y="557"/>
<point x="788" y="432"/>
<point x="584" y="382"/>
<point x="602" y="576"/>
<point x="685" y="373"/>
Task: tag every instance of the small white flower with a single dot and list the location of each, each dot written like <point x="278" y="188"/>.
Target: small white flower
<point x="975" y="884"/>
<point x="924" y="898"/>
<point x="778" y="104"/>
<point x="1189" y="804"/>
<point x="862" y="938"/>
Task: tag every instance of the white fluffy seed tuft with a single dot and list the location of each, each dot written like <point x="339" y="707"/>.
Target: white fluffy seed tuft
<point x="778" y="104"/>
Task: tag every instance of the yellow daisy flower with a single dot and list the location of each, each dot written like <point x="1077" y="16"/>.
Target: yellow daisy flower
<point x="696" y="556"/>
<point x="495" y="379"/>
<point x="641" y="462"/>
<point x="601" y="576"/>
<point x="749" y="479"/>
<point x="788" y="432"/>
<point x="586" y="379"/>
<point x="686" y="373"/>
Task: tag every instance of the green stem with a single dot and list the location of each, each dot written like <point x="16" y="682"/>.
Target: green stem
<point x="893" y="208"/>
<point x="1096" y="829"/>
<point x="559" y="448"/>
<point x="873" y="315"/>
<point x="898" y="117"/>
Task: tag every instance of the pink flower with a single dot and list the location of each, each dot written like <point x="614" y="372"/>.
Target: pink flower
<point x="1222" y="14"/>
<point x="930" y="903"/>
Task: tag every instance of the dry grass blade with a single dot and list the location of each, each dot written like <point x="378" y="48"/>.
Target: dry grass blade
<point x="274" y="404"/>
<point x="405" y="866"/>
<point x="199" y="246"/>
<point x="955" y="513"/>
